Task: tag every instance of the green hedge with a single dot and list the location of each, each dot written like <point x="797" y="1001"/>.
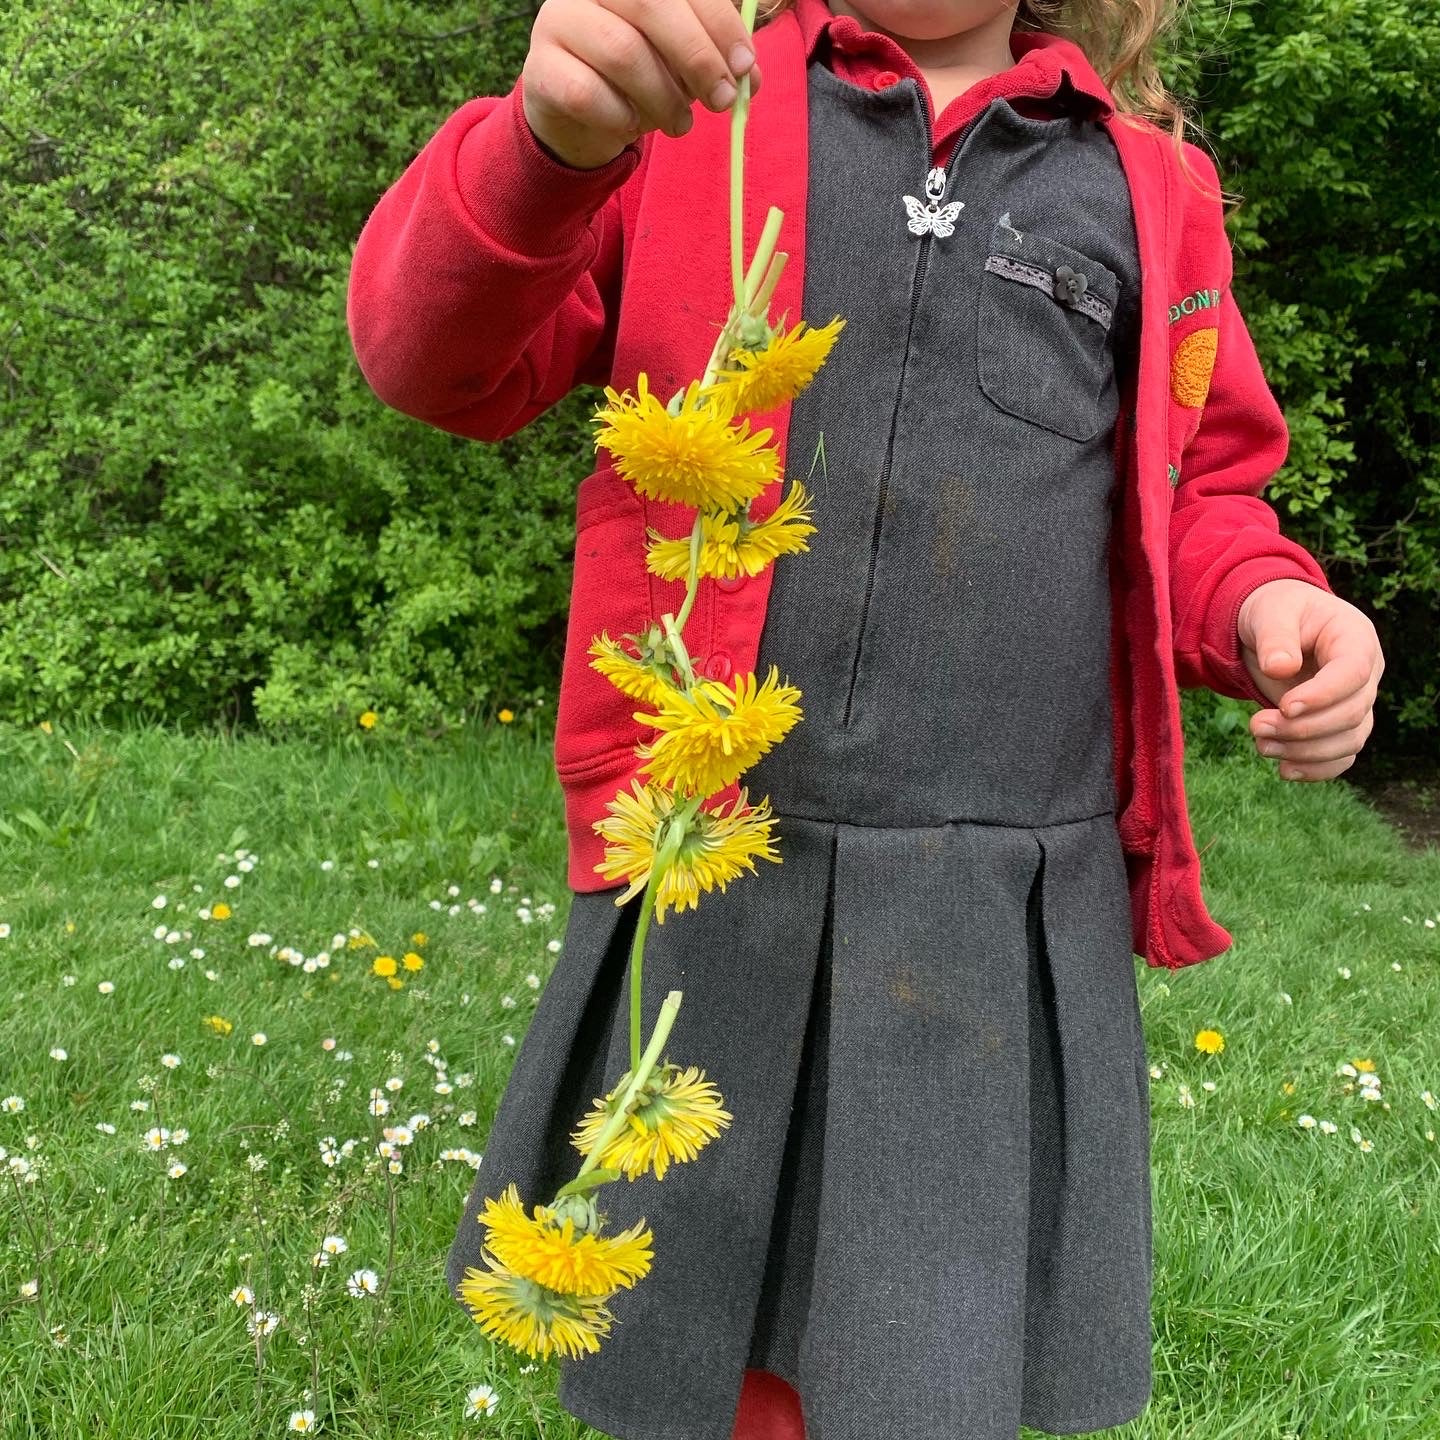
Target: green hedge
<point x="206" y="516"/>
<point x="1325" y="118"/>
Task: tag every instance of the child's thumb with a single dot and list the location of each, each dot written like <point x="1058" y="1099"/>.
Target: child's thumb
<point x="1277" y="644"/>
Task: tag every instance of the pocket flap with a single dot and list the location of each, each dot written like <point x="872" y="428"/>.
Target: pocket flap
<point x="1035" y="259"/>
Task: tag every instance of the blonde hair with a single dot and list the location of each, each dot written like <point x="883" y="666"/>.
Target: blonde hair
<point x="1119" y="39"/>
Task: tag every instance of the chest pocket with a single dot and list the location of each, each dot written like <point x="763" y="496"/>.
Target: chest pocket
<point x="1044" y="317"/>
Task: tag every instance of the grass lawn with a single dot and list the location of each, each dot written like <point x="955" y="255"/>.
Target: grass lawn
<point x="1297" y="1269"/>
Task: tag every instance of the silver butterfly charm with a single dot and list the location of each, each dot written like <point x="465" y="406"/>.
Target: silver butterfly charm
<point x="932" y="218"/>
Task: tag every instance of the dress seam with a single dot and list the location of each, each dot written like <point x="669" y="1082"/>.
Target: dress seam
<point x="942" y="824"/>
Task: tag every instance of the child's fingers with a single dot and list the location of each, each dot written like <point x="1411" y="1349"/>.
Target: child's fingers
<point x="1328" y="747"/>
<point x="1327" y="771"/>
<point x="723" y="23"/>
<point x="1349" y="658"/>
<point x="624" y="56"/>
<point x="1348" y="714"/>
<point x="691" y="53"/>
<point x="574" y="88"/>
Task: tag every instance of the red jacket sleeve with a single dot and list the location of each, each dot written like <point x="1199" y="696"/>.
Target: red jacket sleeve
<point x="485" y="283"/>
<point x="1225" y="541"/>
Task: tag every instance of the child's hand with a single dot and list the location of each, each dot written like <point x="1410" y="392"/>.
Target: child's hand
<point x="1319" y="659"/>
<point x="600" y="73"/>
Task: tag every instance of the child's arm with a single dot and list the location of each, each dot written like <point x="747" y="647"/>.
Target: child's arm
<point x="484" y="285"/>
<point x="1293" y="647"/>
<point x="1225" y="541"/>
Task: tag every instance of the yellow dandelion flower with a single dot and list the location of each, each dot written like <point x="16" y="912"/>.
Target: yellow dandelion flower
<point x="1363" y="1064"/>
<point x="717" y="847"/>
<point x="677" y="1112"/>
<point x="218" y="1023"/>
<point x="419" y="939"/>
<point x="360" y="941"/>
<point x="697" y="457"/>
<point x="47" y="727"/>
<point x="394" y="983"/>
<point x="642" y="677"/>
<point x="514" y="1309"/>
<point x="1211" y="1042"/>
<point x="411" y="961"/>
<point x="710" y="735"/>
<point x="761" y="379"/>
<point x="368" y="718"/>
<point x="506" y="716"/>
<point x="731" y="544"/>
<point x="548" y="1250"/>
<point x="383" y="965"/>
<point x="220" y="911"/>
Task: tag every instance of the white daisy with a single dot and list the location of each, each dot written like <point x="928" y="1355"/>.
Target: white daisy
<point x="362" y="1283"/>
<point x="481" y="1400"/>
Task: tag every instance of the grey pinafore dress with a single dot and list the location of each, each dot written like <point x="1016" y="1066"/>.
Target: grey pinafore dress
<point x="931" y="1213"/>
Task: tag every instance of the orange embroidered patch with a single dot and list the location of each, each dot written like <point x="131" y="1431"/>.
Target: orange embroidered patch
<point x="1191" y="366"/>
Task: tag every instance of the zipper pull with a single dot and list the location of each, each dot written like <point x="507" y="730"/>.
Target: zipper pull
<point x="932" y="218"/>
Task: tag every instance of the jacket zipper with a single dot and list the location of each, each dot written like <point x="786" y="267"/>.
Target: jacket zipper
<point x="922" y="265"/>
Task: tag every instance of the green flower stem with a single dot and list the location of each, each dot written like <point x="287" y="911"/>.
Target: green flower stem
<point x="739" y="113"/>
<point x="761" y="303"/>
<point x="763" y="251"/>
<point x="692" y="584"/>
<point x="677" y="647"/>
<point x="637" y="959"/>
<point x="669" y="1011"/>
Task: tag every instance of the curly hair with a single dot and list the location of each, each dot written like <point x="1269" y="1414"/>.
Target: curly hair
<point x="1119" y="39"/>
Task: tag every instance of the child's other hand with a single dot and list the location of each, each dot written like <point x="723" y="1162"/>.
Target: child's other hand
<point x="601" y="73"/>
<point x="1318" y="658"/>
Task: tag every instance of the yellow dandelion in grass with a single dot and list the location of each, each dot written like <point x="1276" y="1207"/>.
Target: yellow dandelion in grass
<point x="393" y="983"/>
<point x="220" y="911"/>
<point x="731" y="544"/>
<point x="360" y="941"/>
<point x="1210" y="1042"/>
<point x="643" y="677"/>
<point x="368" y="718"/>
<point x="521" y="1313"/>
<point x="383" y="965"/>
<point x="698" y="456"/>
<point x="506" y="716"/>
<point x="411" y="961"/>
<point x="218" y="1023"/>
<point x="780" y="370"/>
<point x="713" y="733"/>
<point x="677" y="1112"/>
<point x="418" y="939"/>
<point x="1363" y="1065"/>
<point x="548" y="1249"/>
<point x="718" y="845"/>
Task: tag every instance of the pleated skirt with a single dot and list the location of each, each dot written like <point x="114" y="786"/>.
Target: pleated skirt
<point x="931" y="1213"/>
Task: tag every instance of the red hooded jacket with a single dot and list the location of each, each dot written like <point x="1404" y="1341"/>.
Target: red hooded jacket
<point x="490" y="279"/>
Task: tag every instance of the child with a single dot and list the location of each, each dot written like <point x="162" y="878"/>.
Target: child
<point x="1044" y="435"/>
